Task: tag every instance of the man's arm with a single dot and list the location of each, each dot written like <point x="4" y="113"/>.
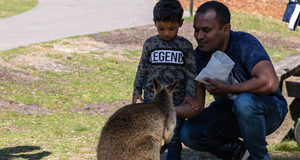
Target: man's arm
<point x="186" y="110"/>
<point x="263" y="81"/>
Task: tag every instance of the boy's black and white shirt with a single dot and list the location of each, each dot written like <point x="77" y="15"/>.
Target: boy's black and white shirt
<point x="167" y="56"/>
<point x="167" y="61"/>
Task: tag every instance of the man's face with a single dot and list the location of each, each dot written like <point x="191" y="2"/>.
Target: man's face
<point x="167" y="30"/>
<point x="208" y="32"/>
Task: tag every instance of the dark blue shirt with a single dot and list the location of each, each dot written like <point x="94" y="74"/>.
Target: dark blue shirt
<point x="246" y="51"/>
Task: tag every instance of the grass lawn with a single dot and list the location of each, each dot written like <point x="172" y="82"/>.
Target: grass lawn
<point x="13" y="7"/>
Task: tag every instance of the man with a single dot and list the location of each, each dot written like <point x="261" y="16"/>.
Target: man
<point x="258" y="109"/>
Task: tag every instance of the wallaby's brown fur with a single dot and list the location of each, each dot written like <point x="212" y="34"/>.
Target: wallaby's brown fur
<point x="138" y="131"/>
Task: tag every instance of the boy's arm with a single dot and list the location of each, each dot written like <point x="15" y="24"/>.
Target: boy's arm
<point x="191" y="108"/>
<point x="191" y="72"/>
<point x="187" y="111"/>
<point x="141" y="73"/>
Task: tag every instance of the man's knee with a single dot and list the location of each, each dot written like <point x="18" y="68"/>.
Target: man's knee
<point x="245" y="105"/>
<point x="192" y="138"/>
<point x="187" y="135"/>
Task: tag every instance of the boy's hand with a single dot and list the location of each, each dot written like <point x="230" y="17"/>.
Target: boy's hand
<point x="192" y="101"/>
<point x="136" y="97"/>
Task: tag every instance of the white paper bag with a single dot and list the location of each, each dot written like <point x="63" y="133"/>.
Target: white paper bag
<point x="218" y="67"/>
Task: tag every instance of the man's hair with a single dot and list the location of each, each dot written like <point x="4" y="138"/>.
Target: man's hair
<point x="222" y="12"/>
<point x="168" y="11"/>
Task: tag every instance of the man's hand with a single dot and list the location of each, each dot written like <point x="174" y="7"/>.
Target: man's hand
<point x="136" y="97"/>
<point x="216" y="87"/>
<point x="263" y="81"/>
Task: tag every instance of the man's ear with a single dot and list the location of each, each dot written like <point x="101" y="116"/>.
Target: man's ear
<point x="227" y="28"/>
<point x="181" y="22"/>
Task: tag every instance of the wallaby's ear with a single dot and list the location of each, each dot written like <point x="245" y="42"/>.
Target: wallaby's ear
<point x="174" y="85"/>
<point x="156" y="84"/>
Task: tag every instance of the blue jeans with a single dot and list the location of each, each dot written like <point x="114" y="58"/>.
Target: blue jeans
<point x="250" y="117"/>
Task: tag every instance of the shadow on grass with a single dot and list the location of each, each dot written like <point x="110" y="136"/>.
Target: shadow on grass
<point x="22" y="152"/>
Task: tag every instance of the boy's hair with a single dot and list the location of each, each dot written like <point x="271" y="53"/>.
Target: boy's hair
<point x="222" y="12"/>
<point x="168" y="11"/>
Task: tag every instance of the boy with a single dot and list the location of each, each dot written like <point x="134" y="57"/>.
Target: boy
<point x="167" y="57"/>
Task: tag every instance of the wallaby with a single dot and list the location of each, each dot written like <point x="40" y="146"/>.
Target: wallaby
<point x="138" y="131"/>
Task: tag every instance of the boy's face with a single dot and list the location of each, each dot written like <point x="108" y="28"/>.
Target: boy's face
<point x="168" y="30"/>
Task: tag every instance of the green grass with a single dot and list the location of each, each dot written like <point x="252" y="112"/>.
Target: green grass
<point x="251" y="22"/>
<point x="88" y="78"/>
<point x="289" y="146"/>
<point x="255" y="24"/>
<point x="98" y="81"/>
<point x="13" y="7"/>
<point x="277" y="53"/>
<point x="284" y="150"/>
<point x="62" y="134"/>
